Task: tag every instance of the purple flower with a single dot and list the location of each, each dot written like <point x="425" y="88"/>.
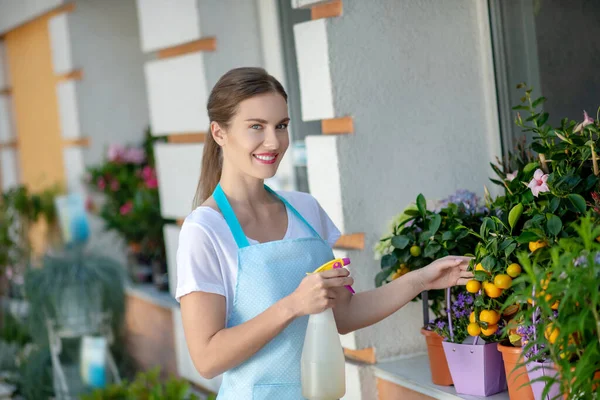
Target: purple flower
<point x="116" y="153"/>
<point x="597" y="258"/>
<point x="441" y="325"/>
<point x="579" y="261"/>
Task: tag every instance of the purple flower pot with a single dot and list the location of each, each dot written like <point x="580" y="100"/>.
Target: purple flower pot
<point x="537" y="370"/>
<point x="477" y="370"/>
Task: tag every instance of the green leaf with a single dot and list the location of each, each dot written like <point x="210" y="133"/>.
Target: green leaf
<point x="448" y="235"/>
<point x="389" y="260"/>
<point x="488" y="263"/>
<point x="537" y="102"/>
<point x="435" y="223"/>
<point x="400" y="242"/>
<point x="539" y="148"/>
<point x="382" y="276"/>
<point x="421" y="204"/>
<point x="412" y="213"/>
<point x="527" y="237"/>
<point x="530" y="167"/>
<point x="554" y="203"/>
<point x="514" y="215"/>
<point x="578" y="201"/>
<point x="542" y="120"/>
<point x="510" y="249"/>
<point x="554" y="224"/>
<point x="479" y="301"/>
<point x="431" y="249"/>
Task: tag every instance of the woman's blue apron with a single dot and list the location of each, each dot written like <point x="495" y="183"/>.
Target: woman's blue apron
<point x="268" y="272"/>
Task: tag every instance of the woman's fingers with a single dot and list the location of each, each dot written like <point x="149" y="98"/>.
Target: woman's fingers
<point x="462" y="281"/>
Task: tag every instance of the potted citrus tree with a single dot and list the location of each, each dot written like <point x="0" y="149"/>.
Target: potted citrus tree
<point x="419" y="236"/>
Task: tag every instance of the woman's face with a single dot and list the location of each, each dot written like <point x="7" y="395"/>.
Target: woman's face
<point x="257" y="136"/>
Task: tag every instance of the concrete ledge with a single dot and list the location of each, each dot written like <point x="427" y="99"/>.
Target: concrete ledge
<point x="150" y="294"/>
<point x="413" y="373"/>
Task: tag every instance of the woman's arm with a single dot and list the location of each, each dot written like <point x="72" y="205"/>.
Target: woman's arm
<point x="215" y="349"/>
<point x="353" y="312"/>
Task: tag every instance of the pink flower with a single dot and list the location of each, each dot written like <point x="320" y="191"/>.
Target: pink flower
<point x="116" y="153"/>
<point x="151" y="183"/>
<point x="89" y="205"/>
<point x="511" y="176"/>
<point x="586" y="121"/>
<point x="101" y="183"/>
<point x="126" y="208"/>
<point x="135" y="156"/>
<point x="149" y="177"/>
<point x="114" y="185"/>
<point x="538" y="183"/>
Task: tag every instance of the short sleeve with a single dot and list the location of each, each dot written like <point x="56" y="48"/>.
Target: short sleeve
<point x="198" y="267"/>
<point x="329" y="232"/>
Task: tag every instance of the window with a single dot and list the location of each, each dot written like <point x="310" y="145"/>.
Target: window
<point x="553" y="46"/>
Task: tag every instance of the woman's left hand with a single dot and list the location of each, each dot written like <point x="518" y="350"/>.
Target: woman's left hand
<point x="446" y="272"/>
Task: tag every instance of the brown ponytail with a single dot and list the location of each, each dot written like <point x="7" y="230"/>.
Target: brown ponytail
<point x="234" y="87"/>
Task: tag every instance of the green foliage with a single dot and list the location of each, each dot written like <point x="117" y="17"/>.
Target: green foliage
<point x="566" y="295"/>
<point x="79" y="273"/>
<point x="130" y="202"/>
<point x="145" y="386"/>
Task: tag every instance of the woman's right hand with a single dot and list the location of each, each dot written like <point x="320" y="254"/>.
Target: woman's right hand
<point x="318" y="292"/>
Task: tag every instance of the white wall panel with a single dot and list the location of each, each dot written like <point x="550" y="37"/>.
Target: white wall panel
<point x="6" y="119"/>
<point x="74" y="168"/>
<point x="185" y="366"/>
<point x="164" y="23"/>
<point x="4" y="78"/>
<point x="171" y="234"/>
<point x="67" y="109"/>
<point x="353" y="388"/>
<point x="177" y="94"/>
<point x="60" y="43"/>
<point x="312" y="52"/>
<point x="306" y="3"/>
<point x="8" y="168"/>
<point x="178" y="169"/>
<point x="324" y="176"/>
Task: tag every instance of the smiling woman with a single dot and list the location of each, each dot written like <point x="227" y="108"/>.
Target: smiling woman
<point x="246" y="252"/>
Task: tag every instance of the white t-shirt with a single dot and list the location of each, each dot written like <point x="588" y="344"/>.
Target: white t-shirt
<point x="207" y="253"/>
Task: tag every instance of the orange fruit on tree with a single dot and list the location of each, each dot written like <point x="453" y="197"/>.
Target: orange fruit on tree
<point x="473" y="329"/>
<point x="490" y="330"/>
<point x="551" y="333"/>
<point x="492" y="290"/>
<point x="415" y="251"/>
<point x="473" y="286"/>
<point x="555" y="305"/>
<point x="490" y="316"/>
<point x="513" y="270"/>
<point x="479" y="267"/>
<point x="472" y="317"/>
<point x="502" y="281"/>
<point x="538" y="244"/>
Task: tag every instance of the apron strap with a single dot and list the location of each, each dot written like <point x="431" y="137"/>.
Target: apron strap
<point x="230" y="218"/>
<point x="234" y="225"/>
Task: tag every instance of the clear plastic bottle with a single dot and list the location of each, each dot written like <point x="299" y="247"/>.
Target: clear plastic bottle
<point x="323" y="364"/>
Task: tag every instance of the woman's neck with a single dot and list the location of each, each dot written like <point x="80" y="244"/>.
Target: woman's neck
<point x="244" y="190"/>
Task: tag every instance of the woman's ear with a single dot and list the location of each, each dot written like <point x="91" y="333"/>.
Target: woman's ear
<point x="217" y="133"/>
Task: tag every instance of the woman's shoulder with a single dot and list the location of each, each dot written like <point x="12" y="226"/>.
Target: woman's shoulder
<point x="203" y="220"/>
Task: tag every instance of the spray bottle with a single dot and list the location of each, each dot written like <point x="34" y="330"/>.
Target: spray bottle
<point x="323" y="365"/>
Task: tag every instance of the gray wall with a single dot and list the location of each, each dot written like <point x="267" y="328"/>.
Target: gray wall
<point x="235" y="25"/>
<point x="112" y="94"/>
<point x="417" y="78"/>
<point x="16" y="12"/>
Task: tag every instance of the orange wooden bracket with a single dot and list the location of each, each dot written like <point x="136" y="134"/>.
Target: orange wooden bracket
<point x="363" y="355"/>
<point x="77" y="142"/>
<point x="192" y="137"/>
<point x="353" y="241"/>
<point x="205" y="44"/>
<point x="6" y="91"/>
<point x="76" y="75"/>
<point x="11" y="144"/>
<point x="387" y="390"/>
<point x="326" y="10"/>
<point x="336" y="126"/>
